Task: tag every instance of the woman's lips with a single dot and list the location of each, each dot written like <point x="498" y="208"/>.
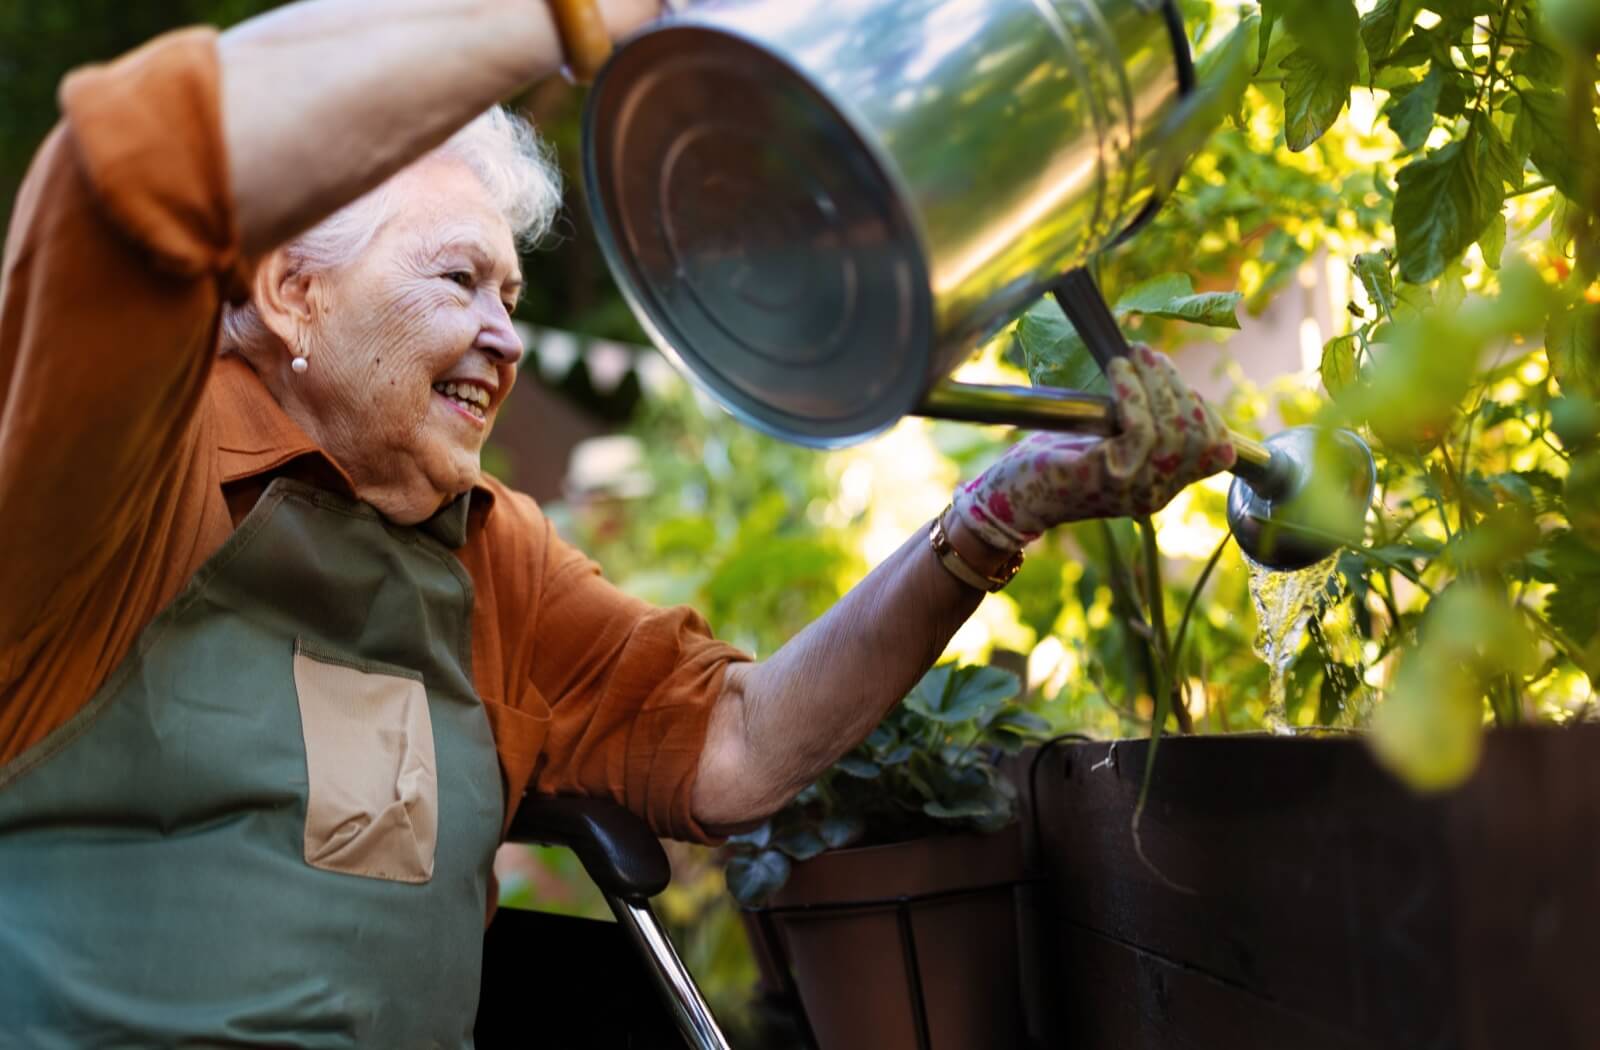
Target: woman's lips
<point x="466" y="411"/>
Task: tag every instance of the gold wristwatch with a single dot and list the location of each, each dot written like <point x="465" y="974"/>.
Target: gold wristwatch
<point x="963" y="570"/>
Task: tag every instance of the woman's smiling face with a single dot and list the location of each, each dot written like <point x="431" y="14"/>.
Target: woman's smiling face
<point x="411" y="351"/>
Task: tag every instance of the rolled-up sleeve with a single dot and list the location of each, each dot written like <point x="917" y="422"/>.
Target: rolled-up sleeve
<point x="122" y="247"/>
<point x="621" y="690"/>
<point x="630" y="688"/>
<point x="148" y="130"/>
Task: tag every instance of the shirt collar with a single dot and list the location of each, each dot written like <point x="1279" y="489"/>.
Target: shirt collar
<point x="255" y="436"/>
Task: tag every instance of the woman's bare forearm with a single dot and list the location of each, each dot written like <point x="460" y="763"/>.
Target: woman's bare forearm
<point x="323" y="100"/>
<point x="782" y="722"/>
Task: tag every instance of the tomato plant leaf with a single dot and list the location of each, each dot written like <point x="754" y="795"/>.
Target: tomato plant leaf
<point x="1269" y="21"/>
<point x="1387" y="24"/>
<point x="1559" y="146"/>
<point x="1055" y="355"/>
<point x="1574" y="604"/>
<point x="1338" y="366"/>
<point x="1328" y="30"/>
<point x="1572" y="341"/>
<point x="1172" y="296"/>
<point x="1441" y="206"/>
<point x="1054" y="352"/>
<point x="1492" y="242"/>
<point x="1214" y="309"/>
<point x="1150" y="295"/>
<point x="1498" y="162"/>
<point x="1314" y="94"/>
<point x="1429" y="729"/>
<point x="1411" y="112"/>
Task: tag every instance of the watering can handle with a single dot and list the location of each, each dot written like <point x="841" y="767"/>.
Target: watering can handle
<point x="1050" y="408"/>
<point x="1080" y="299"/>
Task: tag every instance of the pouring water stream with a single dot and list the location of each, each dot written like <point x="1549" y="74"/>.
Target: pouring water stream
<point x="1290" y="605"/>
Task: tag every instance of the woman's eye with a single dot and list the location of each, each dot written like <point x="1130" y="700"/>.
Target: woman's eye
<point x="459" y="277"/>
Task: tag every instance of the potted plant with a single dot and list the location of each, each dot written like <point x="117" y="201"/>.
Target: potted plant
<point x="883" y="893"/>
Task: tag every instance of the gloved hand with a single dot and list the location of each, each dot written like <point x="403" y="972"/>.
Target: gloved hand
<point x="1169" y="439"/>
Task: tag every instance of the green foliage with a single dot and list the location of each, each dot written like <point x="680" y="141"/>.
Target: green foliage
<point x="1055" y="355"/>
<point x="1313" y="97"/>
<point x="726" y="526"/>
<point x="928" y="769"/>
<point x="1471" y="363"/>
<point x="1440" y="208"/>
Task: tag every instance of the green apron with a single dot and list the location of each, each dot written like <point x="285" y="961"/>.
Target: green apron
<point x="158" y="883"/>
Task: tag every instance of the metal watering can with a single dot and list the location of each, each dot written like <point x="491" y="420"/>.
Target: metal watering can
<point x="818" y="208"/>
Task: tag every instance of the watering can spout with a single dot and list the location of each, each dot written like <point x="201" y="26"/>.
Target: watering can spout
<point x="1309" y="500"/>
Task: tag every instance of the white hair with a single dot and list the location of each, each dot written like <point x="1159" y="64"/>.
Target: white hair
<point x="499" y="147"/>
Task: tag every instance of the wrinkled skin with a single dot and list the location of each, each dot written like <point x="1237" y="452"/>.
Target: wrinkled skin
<point x="427" y="301"/>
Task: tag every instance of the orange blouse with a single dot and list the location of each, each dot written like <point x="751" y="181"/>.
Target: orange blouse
<point x="129" y="449"/>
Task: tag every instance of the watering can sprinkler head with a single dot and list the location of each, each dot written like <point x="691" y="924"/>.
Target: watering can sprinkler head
<point x="1300" y="496"/>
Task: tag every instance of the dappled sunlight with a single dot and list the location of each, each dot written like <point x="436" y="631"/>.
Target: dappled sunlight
<point x="1191" y="525"/>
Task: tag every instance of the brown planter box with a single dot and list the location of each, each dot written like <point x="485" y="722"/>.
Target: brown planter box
<point x="906" y="946"/>
<point x="1308" y="900"/>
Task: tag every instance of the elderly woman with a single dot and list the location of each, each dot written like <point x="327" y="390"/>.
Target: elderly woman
<point x="276" y="660"/>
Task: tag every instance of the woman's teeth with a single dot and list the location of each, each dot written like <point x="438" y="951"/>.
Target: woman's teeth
<point x="474" y="399"/>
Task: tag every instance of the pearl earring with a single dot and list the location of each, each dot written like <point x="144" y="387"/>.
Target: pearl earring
<point x="300" y="364"/>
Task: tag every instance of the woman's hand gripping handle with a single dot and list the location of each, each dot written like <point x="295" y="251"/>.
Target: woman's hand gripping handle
<point x="1169" y="438"/>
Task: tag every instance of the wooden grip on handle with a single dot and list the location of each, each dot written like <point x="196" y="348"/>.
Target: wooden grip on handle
<point x="584" y="38"/>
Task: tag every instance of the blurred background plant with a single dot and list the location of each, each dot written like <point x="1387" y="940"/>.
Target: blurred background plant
<point x="1415" y="184"/>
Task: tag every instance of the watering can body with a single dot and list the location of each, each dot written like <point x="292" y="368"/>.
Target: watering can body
<point x="819" y="207"/>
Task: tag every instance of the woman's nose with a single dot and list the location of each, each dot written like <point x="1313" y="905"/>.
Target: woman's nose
<point x="498" y="337"/>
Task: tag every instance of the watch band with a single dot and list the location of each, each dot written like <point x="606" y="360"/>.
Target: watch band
<point x="960" y="568"/>
<point x="584" y="39"/>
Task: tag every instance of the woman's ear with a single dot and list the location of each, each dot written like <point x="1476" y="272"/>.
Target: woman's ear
<point x="286" y="298"/>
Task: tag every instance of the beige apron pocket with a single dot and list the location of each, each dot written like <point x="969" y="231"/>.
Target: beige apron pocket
<point x="372" y="804"/>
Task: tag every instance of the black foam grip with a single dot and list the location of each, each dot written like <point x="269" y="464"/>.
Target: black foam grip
<point x="1086" y="308"/>
<point x="616" y="846"/>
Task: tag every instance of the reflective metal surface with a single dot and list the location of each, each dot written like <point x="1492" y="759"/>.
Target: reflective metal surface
<point x="1037" y="408"/>
<point x="1073" y="411"/>
<point x="689" y="1008"/>
<point x="1320" y="506"/>
<point x="820" y="206"/>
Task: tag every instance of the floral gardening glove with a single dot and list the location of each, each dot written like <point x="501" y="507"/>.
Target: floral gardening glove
<point x="1169" y="439"/>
